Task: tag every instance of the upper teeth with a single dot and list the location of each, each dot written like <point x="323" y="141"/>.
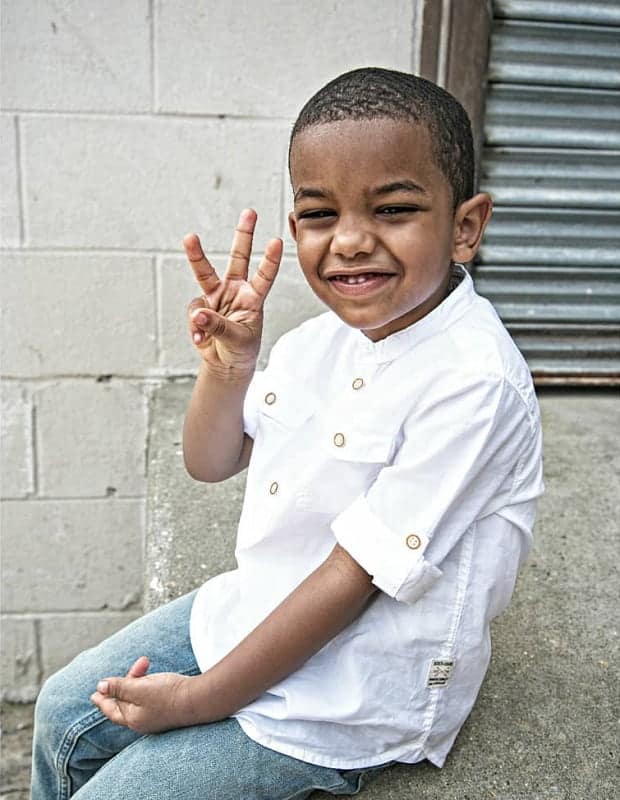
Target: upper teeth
<point x="353" y="278"/>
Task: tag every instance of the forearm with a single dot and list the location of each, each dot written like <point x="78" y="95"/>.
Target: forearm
<point x="325" y="603"/>
<point x="214" y="445"/>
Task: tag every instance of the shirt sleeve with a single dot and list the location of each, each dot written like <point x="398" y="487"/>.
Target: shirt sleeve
<point x="251" y="404"/>
<point x="458" y="461"/>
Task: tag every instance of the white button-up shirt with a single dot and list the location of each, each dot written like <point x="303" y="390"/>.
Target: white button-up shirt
<point x="421" y="455"/>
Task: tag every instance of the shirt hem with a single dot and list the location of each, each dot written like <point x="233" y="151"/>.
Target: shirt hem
<point x="405" y="756"/>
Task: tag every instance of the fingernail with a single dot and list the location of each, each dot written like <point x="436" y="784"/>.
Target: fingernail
<point x="201" y="319"/>
<point x="197" y="337"/>
<point x="102" y="687"/>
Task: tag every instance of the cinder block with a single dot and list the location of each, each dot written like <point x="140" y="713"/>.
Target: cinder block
<point x="9" y="196"/>
<point x="71" y="555"/>
<point x="91" y="439"/>
<point x="19" y="660"/>
<point x="144" y="183"/>
<point x="63" y="636"/>
<point x="16" y="435"/>
<point x="77" y="314"/>
<point x="77" y="56"/>
<point x="269" y="59"/>
<point x="289" y="303"/>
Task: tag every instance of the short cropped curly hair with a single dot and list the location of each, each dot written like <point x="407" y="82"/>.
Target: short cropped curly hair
<point x="373" y="93"/>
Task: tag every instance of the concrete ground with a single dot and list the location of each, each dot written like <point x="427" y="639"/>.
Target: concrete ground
<point x="546" y="723"/>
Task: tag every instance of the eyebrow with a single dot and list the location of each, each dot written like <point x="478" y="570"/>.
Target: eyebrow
<point x="404" y="185"/>
<point x="307" y="192"/>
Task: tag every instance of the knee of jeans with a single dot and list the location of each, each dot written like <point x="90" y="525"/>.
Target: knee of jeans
<point x="55" y="710"/>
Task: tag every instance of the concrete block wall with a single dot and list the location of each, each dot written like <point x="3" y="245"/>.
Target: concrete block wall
<point x="123" y="126"/>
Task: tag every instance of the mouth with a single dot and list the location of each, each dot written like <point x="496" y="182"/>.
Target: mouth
<point x="358" y="283"/>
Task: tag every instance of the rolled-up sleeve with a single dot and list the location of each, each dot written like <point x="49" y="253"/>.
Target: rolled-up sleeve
<point x="251" y="404"/>
<point x="458" y="462"/>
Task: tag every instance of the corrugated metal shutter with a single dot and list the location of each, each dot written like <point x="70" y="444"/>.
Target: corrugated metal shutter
<point x="550" y="262"/>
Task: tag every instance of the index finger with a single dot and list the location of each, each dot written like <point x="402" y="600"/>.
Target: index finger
<point x="204" y="272"/>
<point x="241" y="248"/>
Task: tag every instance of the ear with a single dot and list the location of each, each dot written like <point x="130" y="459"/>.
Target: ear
<point x="470" y="220"/>
<point x="292" y="225"/>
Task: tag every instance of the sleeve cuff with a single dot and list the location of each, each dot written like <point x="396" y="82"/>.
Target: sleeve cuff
<point x="250" y="405"/>
<point x="395" y="560"/>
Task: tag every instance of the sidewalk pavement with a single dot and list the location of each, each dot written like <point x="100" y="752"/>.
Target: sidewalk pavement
<point x="545" y="724"/>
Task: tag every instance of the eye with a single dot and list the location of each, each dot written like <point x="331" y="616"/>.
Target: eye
<point x="317" y="213"/>
<point x="391" y="211"/>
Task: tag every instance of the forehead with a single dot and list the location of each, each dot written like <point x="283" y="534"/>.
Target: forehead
<point x="366" y="152"/>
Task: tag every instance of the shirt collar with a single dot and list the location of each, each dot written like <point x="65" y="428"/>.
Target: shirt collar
<point x="445" y="314"/>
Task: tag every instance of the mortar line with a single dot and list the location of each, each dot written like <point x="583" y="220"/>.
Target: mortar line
<point x="156" y="266"/>
<point x="153" y="53"/>
<point x="153" y="378"/>
<point x="71" y="499"/>
<point x="20" y="178"/>
<point x="38" y="645"/>
<point x="103" y="251"/>
<point x="33" y="446"/>
<point x="145" y="115"/>
<point x="34" y="616"/>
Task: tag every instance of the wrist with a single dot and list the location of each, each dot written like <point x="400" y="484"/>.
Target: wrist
<point x="238" y="375"/>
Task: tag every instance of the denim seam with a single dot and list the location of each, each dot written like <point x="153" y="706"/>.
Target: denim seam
<point x="67" y="745"/>
<point x="304" y="792"/>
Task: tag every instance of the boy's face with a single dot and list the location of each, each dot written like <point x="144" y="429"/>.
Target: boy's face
<point x="373" y="221"/>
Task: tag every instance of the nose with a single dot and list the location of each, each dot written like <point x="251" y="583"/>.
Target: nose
<point x="351" y="238"/>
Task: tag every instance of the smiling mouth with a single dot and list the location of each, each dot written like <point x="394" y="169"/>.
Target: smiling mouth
<point x="360" y="283"/>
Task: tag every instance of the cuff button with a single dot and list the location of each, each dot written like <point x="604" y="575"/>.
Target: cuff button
<point x="413" y="541"/>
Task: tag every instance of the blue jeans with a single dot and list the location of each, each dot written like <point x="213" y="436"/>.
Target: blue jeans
<point x="78" y="752"/>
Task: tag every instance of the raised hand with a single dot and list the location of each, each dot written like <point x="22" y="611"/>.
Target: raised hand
<point x="226" y="321"/>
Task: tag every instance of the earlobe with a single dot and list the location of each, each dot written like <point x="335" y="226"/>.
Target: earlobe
<point x="470" y="221"/>
<point x="292" y="225"/>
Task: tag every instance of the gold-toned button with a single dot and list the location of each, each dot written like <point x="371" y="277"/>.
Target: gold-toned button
<point x="358" y="383"/>
<point x="413" y="541"/>
<point x="270" y="398"/>
<point x="274" y="487"/>
<point x="339" y="439"/>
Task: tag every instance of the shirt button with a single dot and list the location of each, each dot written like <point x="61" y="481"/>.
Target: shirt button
<point x="339" y="439"/>
<point x="358" y="383"/>
<point x="274" y="487"/>
<point x="270" y="398"/>
<point x="413" y="541"/>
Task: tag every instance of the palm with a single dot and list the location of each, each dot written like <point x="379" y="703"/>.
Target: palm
<point x="233" y="305"/>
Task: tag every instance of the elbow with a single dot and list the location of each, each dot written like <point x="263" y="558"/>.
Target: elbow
<point x="199" y="472"/>
<point x="208" y="473"/>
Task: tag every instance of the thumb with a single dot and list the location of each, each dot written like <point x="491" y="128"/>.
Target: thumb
<point x="220" y="327"/>
<point x="113" y="687"/>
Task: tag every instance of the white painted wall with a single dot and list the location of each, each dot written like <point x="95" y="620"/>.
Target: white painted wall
<point x="126" y="124"/>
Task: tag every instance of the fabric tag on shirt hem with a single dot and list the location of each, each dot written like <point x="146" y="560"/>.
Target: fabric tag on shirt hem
<point x="440" y="672"/>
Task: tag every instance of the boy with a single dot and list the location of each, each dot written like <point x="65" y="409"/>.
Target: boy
<point x="394" y="456"/>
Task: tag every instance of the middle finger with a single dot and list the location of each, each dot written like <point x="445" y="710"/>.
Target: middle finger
<point x="241" y="248"/>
